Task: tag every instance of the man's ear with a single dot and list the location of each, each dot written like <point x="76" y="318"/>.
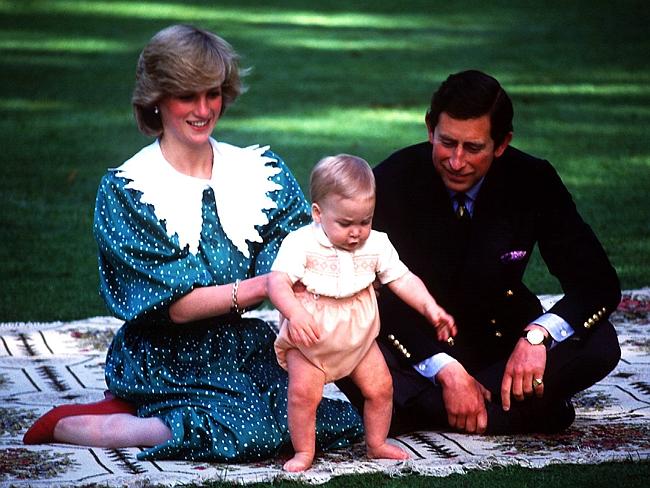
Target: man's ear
<point x="315" y="212"/>
<point x="429" y="128"/>
<point x="502" y="147"/>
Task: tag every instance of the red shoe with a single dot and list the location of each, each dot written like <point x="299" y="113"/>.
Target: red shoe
<point x="42" y="432"/>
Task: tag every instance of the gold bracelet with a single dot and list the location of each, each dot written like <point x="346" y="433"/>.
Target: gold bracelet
<point x="234" y="305"/>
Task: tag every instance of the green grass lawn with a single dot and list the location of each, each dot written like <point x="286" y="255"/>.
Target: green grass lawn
<point x="621" y="475"/>
<point x="328" y="77"/>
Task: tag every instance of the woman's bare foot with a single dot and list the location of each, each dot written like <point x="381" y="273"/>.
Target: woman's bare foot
<point x="299" y="462"/>
<point x="387" y="451"/>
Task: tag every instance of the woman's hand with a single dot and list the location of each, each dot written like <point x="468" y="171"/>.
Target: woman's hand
<point x="283" y="294"/>
<point x="302" y="328"/>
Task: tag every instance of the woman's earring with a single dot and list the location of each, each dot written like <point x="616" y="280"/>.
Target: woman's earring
<point x="155" y="110"/>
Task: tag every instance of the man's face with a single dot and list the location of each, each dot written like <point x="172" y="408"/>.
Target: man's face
<point x="463" y="150"/>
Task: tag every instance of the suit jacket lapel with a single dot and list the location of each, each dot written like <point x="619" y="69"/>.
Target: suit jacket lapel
<point x="491" y="228"/>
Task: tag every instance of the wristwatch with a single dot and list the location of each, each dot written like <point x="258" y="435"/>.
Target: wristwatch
<point x="536" y="337"/>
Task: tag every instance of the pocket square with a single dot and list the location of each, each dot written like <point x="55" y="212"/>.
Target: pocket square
<point x="512" y="256"/>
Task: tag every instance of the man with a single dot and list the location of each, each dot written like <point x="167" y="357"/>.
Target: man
<point x="464" y="211"/>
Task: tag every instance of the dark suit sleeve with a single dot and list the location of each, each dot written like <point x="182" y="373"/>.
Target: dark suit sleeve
<point x="575" y="257"/>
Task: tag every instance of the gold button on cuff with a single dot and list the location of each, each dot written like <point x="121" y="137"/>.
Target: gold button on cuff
<point x="498" y="333"/>
<point x="493" y="321"/>
<point x="509" y="293"/>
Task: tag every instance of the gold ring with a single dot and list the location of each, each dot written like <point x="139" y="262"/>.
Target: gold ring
<point x="450" y="341"/>
<point x="537" y="382"/>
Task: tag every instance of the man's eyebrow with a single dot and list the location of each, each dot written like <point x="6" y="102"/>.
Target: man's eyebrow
<point x="446" y="137"/>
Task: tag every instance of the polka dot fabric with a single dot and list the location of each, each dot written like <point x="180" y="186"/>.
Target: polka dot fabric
<point x="215" y="383"/>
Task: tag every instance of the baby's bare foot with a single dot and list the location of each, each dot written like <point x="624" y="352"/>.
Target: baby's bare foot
<point x="299" y="462"/>
<point x="387" y="451"/>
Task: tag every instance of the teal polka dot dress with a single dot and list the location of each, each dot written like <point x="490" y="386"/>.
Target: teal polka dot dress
<point x="216" y="383"/>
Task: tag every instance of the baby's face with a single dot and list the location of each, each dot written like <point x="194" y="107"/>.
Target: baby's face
<point x="345" y="221"/>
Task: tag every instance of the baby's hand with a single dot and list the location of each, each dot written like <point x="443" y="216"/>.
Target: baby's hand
<point x="303" y="329"/>
<point x="443" y="322"/>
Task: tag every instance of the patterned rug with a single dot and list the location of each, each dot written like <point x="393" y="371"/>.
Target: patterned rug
<point x="47" y="364"/>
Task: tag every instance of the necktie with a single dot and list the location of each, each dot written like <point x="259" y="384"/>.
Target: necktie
<point x="461" y="232"/>
<point x="461" y="209"/>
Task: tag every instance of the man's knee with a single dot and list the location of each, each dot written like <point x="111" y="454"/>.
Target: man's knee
<point x="605" y="352"/>
<point x="578" y="365"/>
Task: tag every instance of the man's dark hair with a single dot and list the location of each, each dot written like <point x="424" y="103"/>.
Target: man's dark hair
<point x="472" y="94"/>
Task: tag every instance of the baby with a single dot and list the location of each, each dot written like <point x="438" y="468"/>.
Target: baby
<point x="322" y="284"/>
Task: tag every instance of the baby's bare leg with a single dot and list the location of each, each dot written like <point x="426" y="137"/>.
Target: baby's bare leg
<point x="373" y="379"/>
<point x="305" y="393"/>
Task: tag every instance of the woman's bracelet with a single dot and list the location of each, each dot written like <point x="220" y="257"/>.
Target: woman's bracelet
<point x="234" y="305"/>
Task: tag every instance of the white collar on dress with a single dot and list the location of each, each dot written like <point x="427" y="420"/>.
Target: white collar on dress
<point x="240" y="182"/>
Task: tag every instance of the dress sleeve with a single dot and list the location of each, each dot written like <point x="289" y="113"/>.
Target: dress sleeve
<point x="291" y="213"/>
<point x="141" y="268"/>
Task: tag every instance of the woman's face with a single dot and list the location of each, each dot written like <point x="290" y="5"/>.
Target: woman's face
<point x="189" y="119"/>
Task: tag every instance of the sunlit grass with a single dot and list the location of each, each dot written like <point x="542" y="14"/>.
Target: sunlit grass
<point x="355" y="121"/>
<point x="240" y="15"/>
<point x="24" y="104"/>
<point x="419" y="42"/>
<point x="64" y="44"/>
<point x="580" y="89"/>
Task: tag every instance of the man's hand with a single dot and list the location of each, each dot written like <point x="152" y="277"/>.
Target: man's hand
<point x="524" y="368"/>
<point x="464" y="399"/>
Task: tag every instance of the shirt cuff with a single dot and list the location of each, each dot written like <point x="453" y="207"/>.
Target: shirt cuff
<point x="430" y="367"/>
<point x="558" y="328"/>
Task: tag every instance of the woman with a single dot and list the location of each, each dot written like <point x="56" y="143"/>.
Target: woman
<point x="187" y="230"/>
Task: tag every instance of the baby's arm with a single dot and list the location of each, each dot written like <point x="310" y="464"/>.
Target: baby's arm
<point x="412" y="291"/>
<point x="302" y="328"/>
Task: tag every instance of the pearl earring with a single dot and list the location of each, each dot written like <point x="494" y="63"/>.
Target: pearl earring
<point x="155" y="110"/>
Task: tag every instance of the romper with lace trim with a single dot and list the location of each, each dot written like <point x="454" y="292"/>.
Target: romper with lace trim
<point x="339" y="294"/>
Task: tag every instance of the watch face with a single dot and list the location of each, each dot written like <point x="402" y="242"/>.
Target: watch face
<point x="535" y="336"/>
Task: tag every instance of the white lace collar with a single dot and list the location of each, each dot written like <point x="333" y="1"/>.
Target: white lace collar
<point x="240" y="182"/>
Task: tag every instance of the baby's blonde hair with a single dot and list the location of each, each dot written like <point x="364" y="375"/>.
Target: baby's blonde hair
<point x="344" y="175"/>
